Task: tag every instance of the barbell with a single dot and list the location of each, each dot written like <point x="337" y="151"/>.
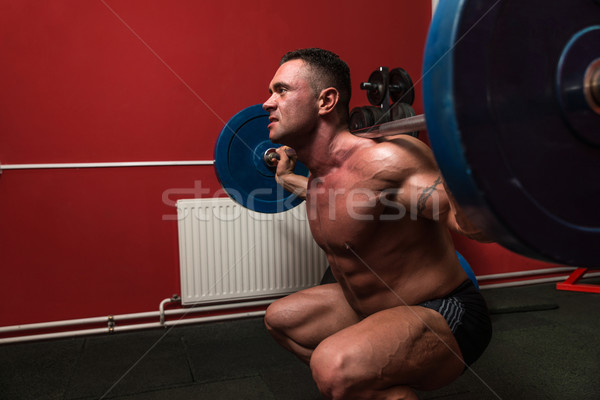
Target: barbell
<point x="511" y="93"/>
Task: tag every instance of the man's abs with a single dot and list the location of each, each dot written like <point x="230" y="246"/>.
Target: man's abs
<point x="375" y="279"/>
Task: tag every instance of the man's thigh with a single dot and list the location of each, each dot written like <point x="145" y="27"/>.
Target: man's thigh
<point x="309" y="316"/>
<point x="410" y="346"/>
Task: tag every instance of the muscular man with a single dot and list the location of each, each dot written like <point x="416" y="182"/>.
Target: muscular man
<point x="403" y="313"/>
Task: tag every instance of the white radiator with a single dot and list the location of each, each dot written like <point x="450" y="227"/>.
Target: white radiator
<point x="228" y="252"/>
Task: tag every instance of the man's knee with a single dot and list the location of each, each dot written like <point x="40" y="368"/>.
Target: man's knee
<point x="274" y="320"/>
<point x="334" y="370"/>
<point x="338" y="370"/>
<point x="280" y="319"/>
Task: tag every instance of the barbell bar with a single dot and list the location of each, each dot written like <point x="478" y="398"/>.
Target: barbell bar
<point x="512" y="109"/>
<point x="392" y="128"/>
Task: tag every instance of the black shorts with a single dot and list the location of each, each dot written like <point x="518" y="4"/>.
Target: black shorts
<point x="465" y="311"/>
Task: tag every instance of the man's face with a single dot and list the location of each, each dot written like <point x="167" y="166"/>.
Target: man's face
<point x="293" y="105"/>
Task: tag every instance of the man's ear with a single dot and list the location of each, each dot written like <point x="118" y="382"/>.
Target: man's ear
<point x="328" y="99"/>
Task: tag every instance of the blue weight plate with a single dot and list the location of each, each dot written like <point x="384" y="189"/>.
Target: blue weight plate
<point x="502" y="135"/>
<point x="240" y="168"/>
<point x="468" y="270"/>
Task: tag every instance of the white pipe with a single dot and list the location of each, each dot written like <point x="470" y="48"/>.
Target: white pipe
<point x="532" y="281"/>
<point x="125" y="328"/>
<point x="54" y="324"/>
<point x="224" y="317"/>
<point x="56" y="335"/>
<point x="105" y="165"/>
<point x="522" y="283"/>
<point x="217" y="307"/>
<point x="161" y="306"/>
<point x="181" y="321"/>
<point x="129" y="317"/>
<point x="192" y="310"/>
<point x="518" y="274"/>
<point x="161" y="310"/>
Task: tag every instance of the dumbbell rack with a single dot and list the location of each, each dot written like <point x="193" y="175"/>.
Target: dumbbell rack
<point x="378" y="89"/>
<point x="390" y="93"/>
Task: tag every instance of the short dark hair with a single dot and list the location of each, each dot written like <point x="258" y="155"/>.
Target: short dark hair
<point x="330" y="71"/>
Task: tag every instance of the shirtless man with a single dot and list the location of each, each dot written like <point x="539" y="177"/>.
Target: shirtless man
<point x="403" y="313"/>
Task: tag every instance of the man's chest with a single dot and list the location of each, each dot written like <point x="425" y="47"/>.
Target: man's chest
<point x="347" y="208"/>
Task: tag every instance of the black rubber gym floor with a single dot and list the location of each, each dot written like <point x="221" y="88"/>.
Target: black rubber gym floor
<point x="545" y="346"/>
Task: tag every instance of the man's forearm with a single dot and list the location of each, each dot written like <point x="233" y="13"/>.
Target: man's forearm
<point x="466" y="228"/>
<point x="462" y="224"/>
<point x="293" y="183"/>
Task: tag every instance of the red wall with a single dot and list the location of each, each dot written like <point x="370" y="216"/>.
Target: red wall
<point x="94" y="81"/>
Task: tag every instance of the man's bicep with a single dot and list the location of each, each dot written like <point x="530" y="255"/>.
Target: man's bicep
<point x="431" y="199"/>
<point x="435" y="202"/>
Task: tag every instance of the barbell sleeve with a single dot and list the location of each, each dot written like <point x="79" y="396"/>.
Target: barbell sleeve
<point x="270" y="157"/>
<point x="405" y="125"/>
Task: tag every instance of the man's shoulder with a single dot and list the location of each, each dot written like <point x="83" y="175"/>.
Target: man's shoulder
<point x="404" y="152"/>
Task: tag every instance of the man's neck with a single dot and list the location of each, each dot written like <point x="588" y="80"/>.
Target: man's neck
<point x="322" y="154"/>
